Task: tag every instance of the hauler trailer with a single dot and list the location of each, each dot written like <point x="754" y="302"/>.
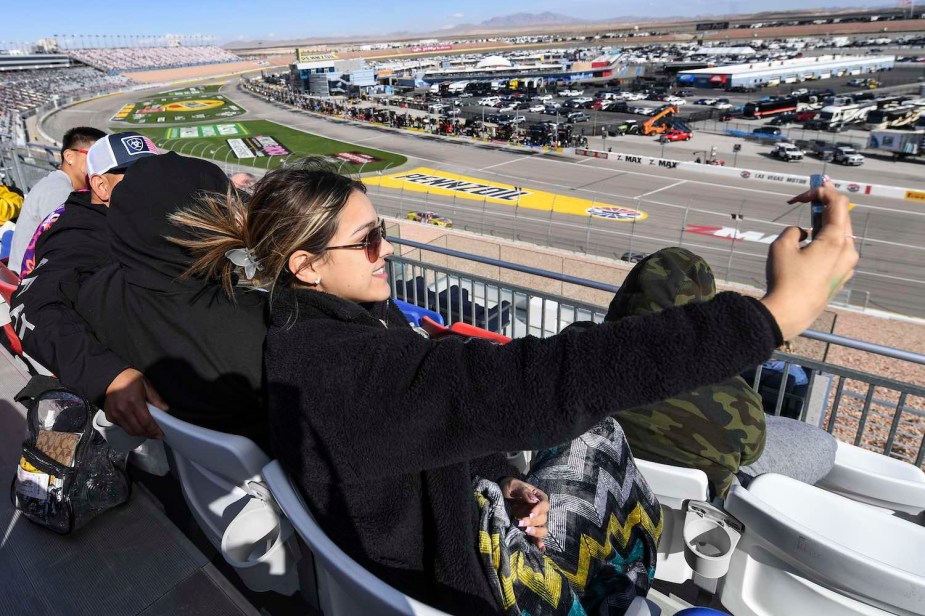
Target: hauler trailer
<point x="761" y="109"/>
<point x="901" y="143"/>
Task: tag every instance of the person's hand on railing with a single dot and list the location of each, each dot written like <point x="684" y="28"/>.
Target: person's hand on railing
<point x="126" y="404"/>
<point x="803" y="280"/>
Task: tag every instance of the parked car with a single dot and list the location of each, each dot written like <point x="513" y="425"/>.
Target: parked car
<point x="537" y="108"/>
<point x="821" y="148"/>
<point x="722" y="105"/>
<point x="633" y="257"/>
<point x="675" y="100"/>
<point x="767" y="130"/>
<point x="571" y="92"/>
<point x="676" y="134"/>
<point x="543" y="98"/>
<point x="577" y="116"/>
<point x="429" y="218"/>
<point x="784" y="118"/>
<point x="705" y="101"/>
<point x="787" y="152"/>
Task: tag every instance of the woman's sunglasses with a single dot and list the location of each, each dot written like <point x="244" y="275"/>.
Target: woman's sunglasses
<point x="372" y="242"/>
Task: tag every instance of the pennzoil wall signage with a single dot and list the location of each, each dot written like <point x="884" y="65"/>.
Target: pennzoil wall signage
<point x="714" y="25"/>
<point x="303" y="55"/>
<point x="437" y="182"/>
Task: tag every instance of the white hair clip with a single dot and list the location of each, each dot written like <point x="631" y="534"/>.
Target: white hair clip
<point x="244" y="257"/>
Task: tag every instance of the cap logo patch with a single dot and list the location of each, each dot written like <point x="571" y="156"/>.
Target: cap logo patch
<point x="134" y="144"/>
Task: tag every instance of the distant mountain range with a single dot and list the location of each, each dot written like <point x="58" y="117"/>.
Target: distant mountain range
<point x="524" y="22"/>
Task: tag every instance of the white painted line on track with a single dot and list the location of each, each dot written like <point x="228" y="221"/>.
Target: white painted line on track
<point x="878" y="208"/>
<point x="507" y="162"/>
<point x="652" y="192"/>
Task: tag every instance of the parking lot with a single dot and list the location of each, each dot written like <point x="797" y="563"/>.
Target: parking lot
<point x="579" y="106"/>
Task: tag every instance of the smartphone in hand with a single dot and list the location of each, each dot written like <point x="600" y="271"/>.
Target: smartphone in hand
<point x="816" y="180"/>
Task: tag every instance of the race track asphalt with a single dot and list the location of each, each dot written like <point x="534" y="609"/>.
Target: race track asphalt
<point x="682" y="207"/>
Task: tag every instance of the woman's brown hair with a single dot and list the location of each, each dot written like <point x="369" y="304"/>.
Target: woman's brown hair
<point x="293" y="208"/>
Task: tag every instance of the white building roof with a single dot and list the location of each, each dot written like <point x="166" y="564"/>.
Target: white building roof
<point x="724" y="51"/>
<point x="777" y="66"/>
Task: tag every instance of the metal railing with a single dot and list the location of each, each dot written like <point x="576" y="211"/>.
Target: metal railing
<point x="869" y="410"/>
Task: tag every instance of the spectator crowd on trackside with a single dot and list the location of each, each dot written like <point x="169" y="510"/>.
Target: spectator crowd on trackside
<point x="117" y="59"/>
<point x="364" y="109"/>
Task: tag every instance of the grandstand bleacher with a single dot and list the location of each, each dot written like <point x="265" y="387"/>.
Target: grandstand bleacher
<point x="121" y="59"/>
<point x="24" y="90"/>
<point x="95" y="70"/>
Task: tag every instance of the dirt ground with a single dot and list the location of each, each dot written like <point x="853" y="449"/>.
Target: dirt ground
<point x="189" y="73"/>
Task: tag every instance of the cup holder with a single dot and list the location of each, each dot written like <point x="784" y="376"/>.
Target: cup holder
<point x="710" y="537"/>
<point x="117" y="438"/>
<point x="255" y="543"/>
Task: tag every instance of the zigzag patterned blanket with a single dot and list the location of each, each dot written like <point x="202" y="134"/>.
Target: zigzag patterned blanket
<point x="604" y="524"/>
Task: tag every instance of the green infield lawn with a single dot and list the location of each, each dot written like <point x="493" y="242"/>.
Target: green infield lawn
<point x="193" y="104"/>
<point x="232" y="142"/>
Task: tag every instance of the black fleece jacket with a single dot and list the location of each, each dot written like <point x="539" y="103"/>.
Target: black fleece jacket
<point x="75" y="246"/>
<point x="202" y="351"/>
<point x="383" y="429"/>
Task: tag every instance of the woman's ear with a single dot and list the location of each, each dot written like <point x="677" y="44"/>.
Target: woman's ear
<point x="302" y="266"/>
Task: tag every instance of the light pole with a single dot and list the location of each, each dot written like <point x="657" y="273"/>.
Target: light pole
<point x="732" y="245"/>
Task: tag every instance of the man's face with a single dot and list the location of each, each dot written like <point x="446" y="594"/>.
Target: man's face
<point x="76" y="159"/>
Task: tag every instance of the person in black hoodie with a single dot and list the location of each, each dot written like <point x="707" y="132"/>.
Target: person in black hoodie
<point x="71" y="244"/>
<point x="394" y="439"/>
<point x="200" y="348"/>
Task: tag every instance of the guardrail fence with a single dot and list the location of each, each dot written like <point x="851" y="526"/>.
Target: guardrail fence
<point x="513" y="299"/>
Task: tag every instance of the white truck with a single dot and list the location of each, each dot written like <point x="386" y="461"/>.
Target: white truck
<point x="787" y="152"/>
<point x="847" y="156"/>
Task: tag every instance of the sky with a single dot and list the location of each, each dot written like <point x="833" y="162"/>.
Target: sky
<point x="268" y="20"/>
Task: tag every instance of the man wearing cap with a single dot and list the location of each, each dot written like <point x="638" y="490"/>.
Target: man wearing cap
<point x="73" y="242"/>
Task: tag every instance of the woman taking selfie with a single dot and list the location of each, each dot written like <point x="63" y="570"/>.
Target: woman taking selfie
<point x="395" y="440"/>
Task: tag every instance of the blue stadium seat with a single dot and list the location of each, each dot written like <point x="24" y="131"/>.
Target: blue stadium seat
<point x="414" y="313"/>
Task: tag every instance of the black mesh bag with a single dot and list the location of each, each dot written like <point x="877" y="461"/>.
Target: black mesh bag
<point x="67" y="474"/>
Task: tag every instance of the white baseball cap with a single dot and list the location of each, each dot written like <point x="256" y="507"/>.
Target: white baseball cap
<point x="117" y="152"/>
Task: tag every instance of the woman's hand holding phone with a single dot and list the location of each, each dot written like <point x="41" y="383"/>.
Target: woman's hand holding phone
<point x="803" y="279"/>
